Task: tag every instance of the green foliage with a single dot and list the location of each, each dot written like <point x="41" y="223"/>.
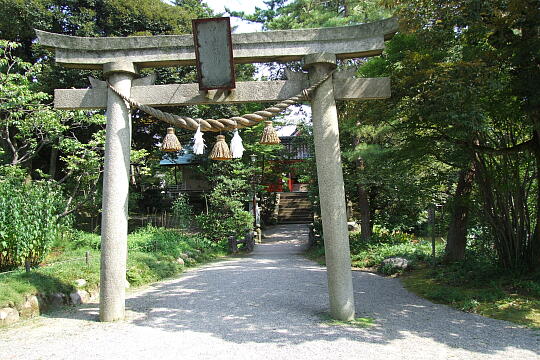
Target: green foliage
<point x="308" y="13"/>
<point x="463" y="94"/>
<point x="144" y="268"/>
<point x="152" y="256"/>
<point x="267" y="204"/>
<point x="385" y="244"/>
<point x="22" y="109"/>
<point x="167" y="242"/>
<point x="231" y="189"/>
<point x="370" y="255"/>
<point x="29" y="126"/>
<point x="479" y="289"/>
<point x="29" y="221"/>
<point x="528" y="287"/>
<point x="81" y="239"/>
<point x="67" y="146"/>
<point x="183" y="211"/>
<point x="380" y="236"/>
<point x="383" y="235"/>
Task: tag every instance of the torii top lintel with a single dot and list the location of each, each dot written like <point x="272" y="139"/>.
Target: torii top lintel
<point x="174" y="50"/>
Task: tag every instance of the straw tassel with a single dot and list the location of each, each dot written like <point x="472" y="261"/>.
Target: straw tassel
<point x="269" y="135"/>
<point x="237" y="149"/>
<point x="170" y="142"/>
<point x="221" y="150"/>
<point x="198" y="145"/>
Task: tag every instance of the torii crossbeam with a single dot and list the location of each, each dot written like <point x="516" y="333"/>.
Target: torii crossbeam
<point x="120" y="60"/>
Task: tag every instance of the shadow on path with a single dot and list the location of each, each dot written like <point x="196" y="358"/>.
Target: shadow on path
<point x="275" y="295"/>
<point x="269" y="305"/>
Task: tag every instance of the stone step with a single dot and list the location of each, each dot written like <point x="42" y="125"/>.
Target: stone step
<point x="295" y="221"/>
<point x="295" y="218"/>
<point x="295" y="206"/>
<point x="299" y="201"/>
<point x="293" y="200"/>
<point x="290" y="195"/>
<point x="294" y="212"/>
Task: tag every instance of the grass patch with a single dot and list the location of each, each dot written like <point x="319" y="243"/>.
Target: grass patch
<point x="316" y="253"/>
<point x="152" y="254"/>
<point x="474" y="285"/>
<point x="361" y="322"/>
<point x="368" y="255"/>
<point x="497" y="298"/>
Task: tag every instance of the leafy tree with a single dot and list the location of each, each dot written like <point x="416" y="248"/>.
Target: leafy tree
<point x="464" y="107"/>
<point x="28" y="125"/>
<point x="231" y="189"/>
<point x="299" y="14"/>
<point x="481" y="101"/>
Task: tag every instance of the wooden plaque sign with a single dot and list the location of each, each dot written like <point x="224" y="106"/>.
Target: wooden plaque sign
<point x="214" y="54"/>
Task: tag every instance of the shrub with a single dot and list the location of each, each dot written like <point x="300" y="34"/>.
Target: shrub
<point x="380" y="236"/>
<point x="164" y="241"/>
<point x="219" y="226"/>
<point x="29" y="221"/>
<point x="528" y="287"/>
<point x="183" y="212"/>
<point x="369" y="255"/>
<point x="227" y="216"/>
<point x="385" y="236"/>
<point x="388" y="269"/>
<point x="82" y="239"/>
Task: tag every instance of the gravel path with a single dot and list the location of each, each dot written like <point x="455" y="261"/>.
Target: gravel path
<point x="269" y="305"/>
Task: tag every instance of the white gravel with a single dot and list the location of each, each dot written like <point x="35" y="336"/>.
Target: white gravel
<point x="270" y="305"/>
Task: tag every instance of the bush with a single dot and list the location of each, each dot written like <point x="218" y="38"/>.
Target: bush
<point x="219" y="227"/>
<point x="380" y="236"/>
<point x="528" y="287"/>
<point x="227" y="216"/>
<point x="385" y="236"/>
<point x="472" y="271"/>
<point x="369" y="255"/>
<point x="82" y="239"/>
<point x="183" y="212"/>
<point x="388" y="269"/>
<point x="166" y="242"/>
<point x="29" y="221"/>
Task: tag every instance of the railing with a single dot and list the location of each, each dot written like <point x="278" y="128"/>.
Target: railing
<point x="176" y="188"/>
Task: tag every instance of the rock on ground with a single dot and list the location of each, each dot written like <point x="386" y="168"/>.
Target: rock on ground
<point x="8" y="316"/>
<point x="30" y="307"/>
<point x="396" y="262"/>
<point x="79" y="297"/>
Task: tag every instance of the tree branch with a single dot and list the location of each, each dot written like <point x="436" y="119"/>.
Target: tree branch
<point x="68" y="211"/>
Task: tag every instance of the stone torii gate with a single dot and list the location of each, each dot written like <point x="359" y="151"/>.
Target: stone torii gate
<point x="120" y="59"/>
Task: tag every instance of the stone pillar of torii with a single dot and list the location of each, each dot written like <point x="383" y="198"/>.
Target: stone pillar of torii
<point x="120" y="59"/>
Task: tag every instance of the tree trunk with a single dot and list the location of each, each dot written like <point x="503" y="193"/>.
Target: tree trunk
<point x="53" y="161"/>
<point x="534" y="250"/>
<point x="457" y="231"/>
<point x="365" y="213"/>
<point x="529" y="74"/>
<point x="363" y="202"/>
